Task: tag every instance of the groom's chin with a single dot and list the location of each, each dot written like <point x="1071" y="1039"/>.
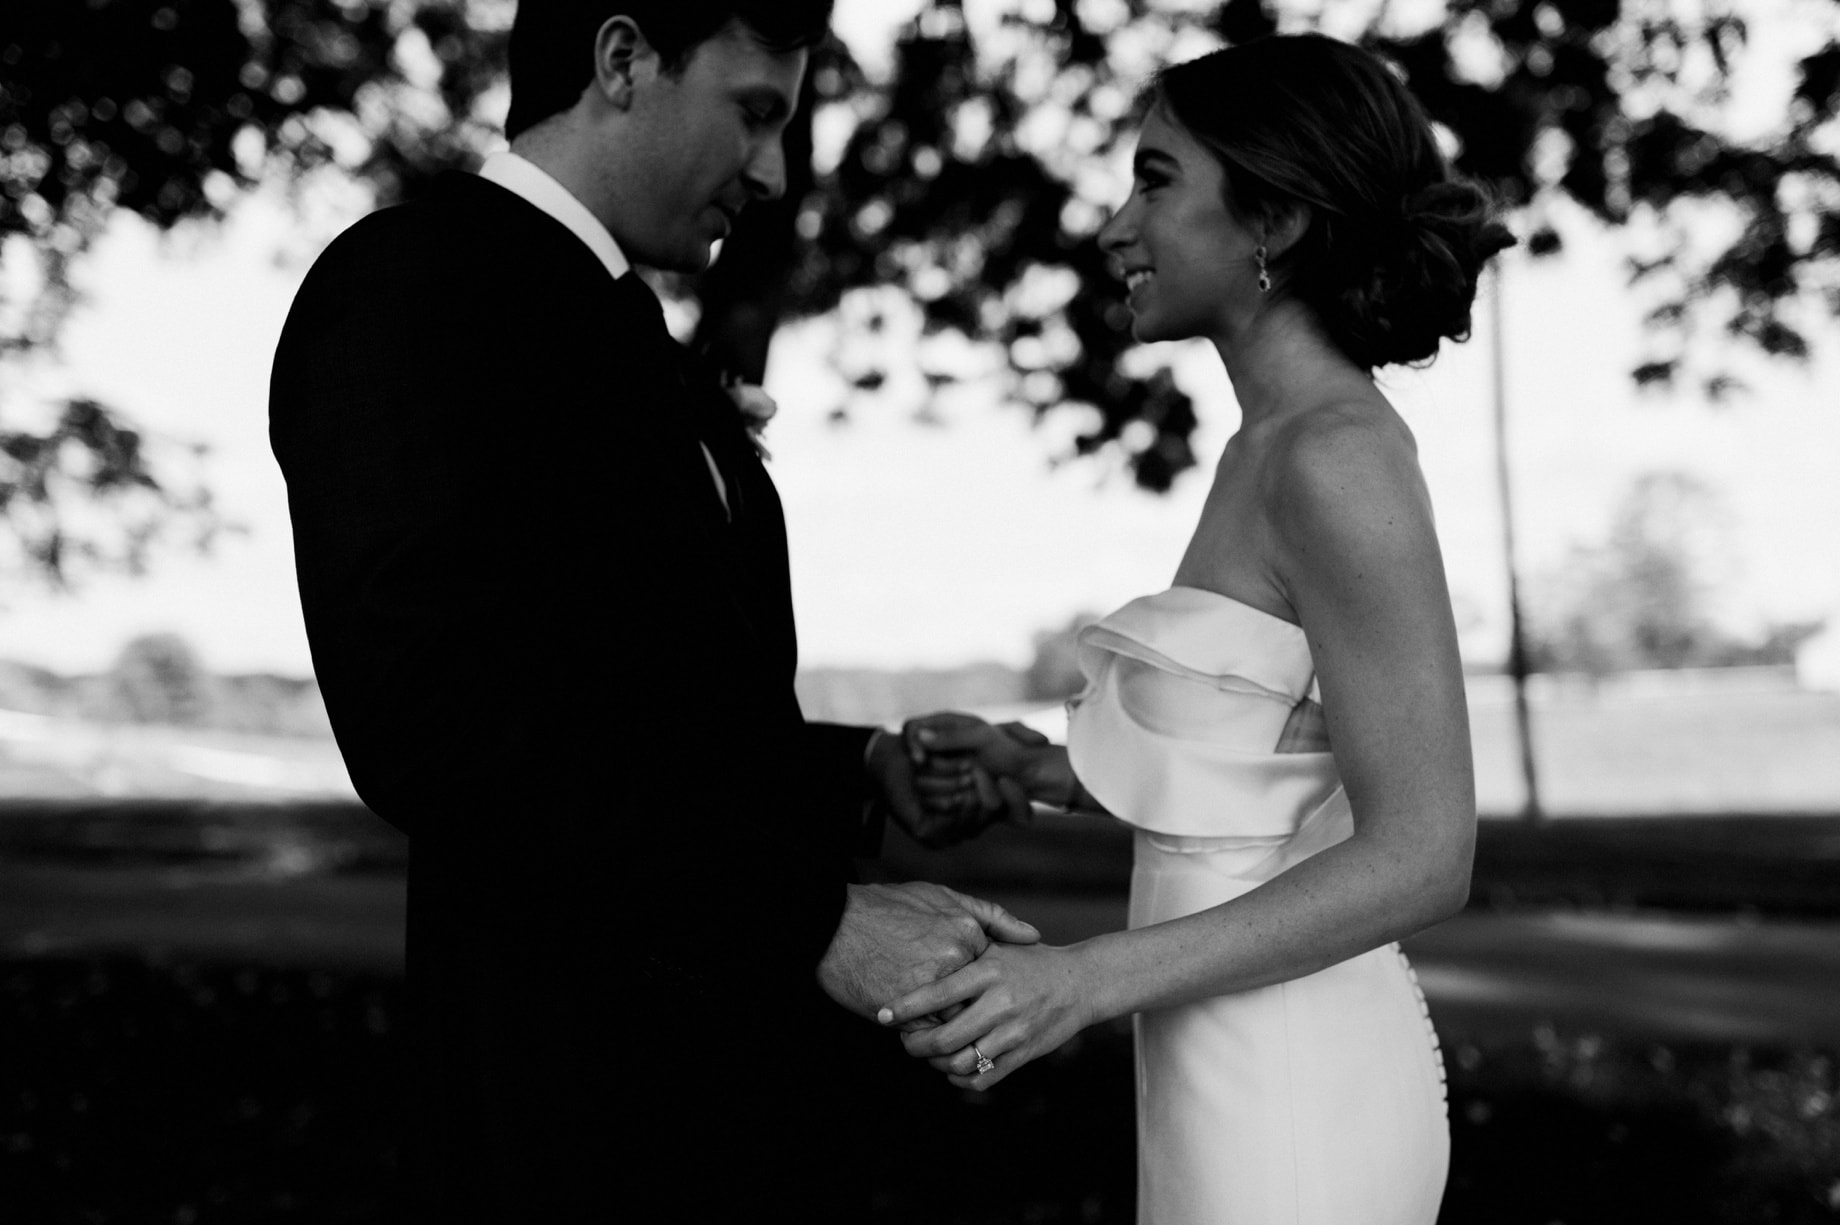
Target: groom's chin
<point x="691" y="259"/>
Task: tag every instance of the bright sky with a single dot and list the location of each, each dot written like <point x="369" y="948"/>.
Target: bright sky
<point x="919" y="545"/>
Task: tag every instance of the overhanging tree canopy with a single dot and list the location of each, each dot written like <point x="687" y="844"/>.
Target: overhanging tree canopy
<point x="969" y="180"/>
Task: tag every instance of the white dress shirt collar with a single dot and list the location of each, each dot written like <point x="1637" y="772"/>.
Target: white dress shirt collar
<point x="525" y="178"/>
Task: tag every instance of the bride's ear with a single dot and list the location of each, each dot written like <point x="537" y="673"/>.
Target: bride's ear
<point x="1286" y="227"/>
<point x="623" y="59"/>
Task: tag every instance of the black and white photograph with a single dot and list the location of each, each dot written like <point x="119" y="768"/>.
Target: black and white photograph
<point x="920" y="612"/>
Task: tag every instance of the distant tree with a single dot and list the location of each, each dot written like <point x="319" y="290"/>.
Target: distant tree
<point x="269" y="705"/>
<point x="967" y="184"/>
<point x="158" y="678"/>
<point x="1645" y="597"/>
<point x="1780" y="644"/>
<point x="889" y="695"/>
<point x="1054" y="673"/>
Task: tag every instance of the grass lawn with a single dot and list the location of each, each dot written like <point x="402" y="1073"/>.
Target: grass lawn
<point x="139" y="1092"/>
<point x="202" y="1002"/>
<point x="1626" y="750"/>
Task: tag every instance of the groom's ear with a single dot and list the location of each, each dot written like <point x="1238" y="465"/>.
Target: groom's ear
<point x="622" y="56"/>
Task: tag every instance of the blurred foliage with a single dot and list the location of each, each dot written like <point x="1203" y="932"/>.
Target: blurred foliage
<point x="170" y="110"/>
<point x="54" y="481"/>
<point x="1054" y="673"/>
<point x="966" y="183"/>
<point x="889" y="695"/>
<point x="975" y="178"/>
<point x="1644" y="598"/>
<point x="892" y="695"/>
<point x="159" y="678"/>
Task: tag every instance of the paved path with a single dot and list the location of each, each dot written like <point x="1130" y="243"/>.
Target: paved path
<point x="1671" y="979"/>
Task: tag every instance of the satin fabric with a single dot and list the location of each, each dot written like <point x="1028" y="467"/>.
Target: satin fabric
<point x="1318" y="1101"/>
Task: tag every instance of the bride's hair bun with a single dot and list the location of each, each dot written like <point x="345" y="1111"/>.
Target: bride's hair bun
<point x="1421" y="285"/>
<point x="1395" y="244"/>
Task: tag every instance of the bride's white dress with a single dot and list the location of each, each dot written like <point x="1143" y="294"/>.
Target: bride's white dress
<point x="1318" y="1101"/>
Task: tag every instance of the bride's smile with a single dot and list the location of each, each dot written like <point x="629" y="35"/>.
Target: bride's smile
<point x="1186" y="259"/>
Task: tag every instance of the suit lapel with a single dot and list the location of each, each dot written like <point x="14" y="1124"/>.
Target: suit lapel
<point x="749" y="548"/>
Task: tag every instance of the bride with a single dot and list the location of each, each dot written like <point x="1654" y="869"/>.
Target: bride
<point x="1285" y="726"/>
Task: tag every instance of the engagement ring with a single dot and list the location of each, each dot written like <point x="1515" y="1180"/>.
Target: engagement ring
<point x="983" y="1065"/>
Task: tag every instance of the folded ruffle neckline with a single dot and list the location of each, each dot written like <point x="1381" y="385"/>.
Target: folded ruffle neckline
<point x="1223" y="776"/>
<point x="1206" y="637"/>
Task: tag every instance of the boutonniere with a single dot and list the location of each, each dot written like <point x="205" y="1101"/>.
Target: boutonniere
<point x="756" y="408"/>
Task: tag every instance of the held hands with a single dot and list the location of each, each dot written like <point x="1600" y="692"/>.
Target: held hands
<point x="944" y="797"/>
<point x="894" y="938"/>
<point x="949" y="777"/>
<point x="963" y="765"/>
<point x="1010" y="1006"/>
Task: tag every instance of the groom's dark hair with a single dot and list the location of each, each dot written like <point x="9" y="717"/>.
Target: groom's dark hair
<point x="552" y="41"/>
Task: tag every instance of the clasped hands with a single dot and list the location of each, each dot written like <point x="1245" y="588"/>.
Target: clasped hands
<point x="969" y="986"/>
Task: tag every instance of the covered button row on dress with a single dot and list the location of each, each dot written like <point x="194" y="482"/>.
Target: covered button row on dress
<point x="1424" y="1010"/>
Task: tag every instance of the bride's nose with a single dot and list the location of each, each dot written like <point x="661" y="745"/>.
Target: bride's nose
<point x="1118" y="231"/>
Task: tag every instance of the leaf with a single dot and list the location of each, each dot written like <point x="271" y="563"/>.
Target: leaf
<point x="1656" y="373"/>
<point x="1721" y="388"/>
<point x="1818" y="85"/>
<point x="1545" y="241"/>
<point x="1241" y="21"/>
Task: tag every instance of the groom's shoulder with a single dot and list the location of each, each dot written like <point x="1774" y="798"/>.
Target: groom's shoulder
<point x="431" y="228"/>
<point x="461" y="239"/>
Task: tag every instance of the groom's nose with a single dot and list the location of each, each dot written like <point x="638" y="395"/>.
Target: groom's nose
<point x="766" y="171"/>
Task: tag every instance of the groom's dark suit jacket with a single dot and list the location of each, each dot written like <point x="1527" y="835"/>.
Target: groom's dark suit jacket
<point x="553" y="662"/>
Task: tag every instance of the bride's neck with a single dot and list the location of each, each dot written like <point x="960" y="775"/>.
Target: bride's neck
<point x="1281" y="362"/>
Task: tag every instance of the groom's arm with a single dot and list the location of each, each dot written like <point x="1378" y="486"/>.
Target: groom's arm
<point x="843" y="795"/>
<point x="432" y="550"/>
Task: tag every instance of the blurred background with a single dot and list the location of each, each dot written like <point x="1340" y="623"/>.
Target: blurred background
<point x="1634" y="464"/>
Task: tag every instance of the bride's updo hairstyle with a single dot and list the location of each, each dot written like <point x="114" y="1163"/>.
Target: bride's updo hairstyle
<point x="1396" y="243"/>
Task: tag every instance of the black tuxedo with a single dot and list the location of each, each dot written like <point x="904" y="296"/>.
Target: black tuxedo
<point x="554" y="663"/>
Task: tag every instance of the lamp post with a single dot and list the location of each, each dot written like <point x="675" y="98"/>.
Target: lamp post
<point x="1517" y="634"/>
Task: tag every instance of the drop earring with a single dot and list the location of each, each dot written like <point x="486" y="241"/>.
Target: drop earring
<point x="1260" y="255"/>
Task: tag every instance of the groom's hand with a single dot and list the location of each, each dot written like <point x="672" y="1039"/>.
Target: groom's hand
<point x="896" y="772"/>
<point x="894" y="938"/>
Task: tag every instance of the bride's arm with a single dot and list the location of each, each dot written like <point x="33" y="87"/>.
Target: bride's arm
<point x="1359" y="560"/>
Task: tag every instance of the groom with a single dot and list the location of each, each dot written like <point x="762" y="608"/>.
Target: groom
<point x="545" y="580"/>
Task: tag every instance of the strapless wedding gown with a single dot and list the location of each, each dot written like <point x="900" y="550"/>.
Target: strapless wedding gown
<point x="1318" y="1101"/>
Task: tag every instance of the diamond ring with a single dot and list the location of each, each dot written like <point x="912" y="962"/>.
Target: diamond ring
<point x="983" y="1064"/>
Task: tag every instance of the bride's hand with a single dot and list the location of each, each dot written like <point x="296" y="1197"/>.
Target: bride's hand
<point x="1021" y="1001"/>
<point x="933" y="799"/>
<point x="1005" y="750"/>
<point x="960" y="760"/>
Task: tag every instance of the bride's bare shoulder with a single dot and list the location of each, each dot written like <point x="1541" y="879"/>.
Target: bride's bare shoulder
<point x="1346" y="463"/>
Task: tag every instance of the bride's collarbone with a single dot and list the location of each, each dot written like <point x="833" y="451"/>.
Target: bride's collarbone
<point x="1232" y="550"/>
<point x="1229" y="563"/>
